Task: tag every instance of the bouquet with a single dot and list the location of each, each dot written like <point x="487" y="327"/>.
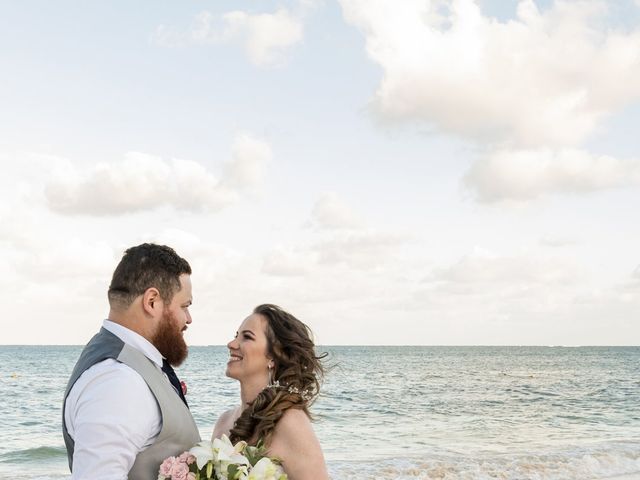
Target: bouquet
<point x="221" y="460"/>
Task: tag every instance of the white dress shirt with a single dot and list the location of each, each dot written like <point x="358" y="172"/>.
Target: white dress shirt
<point x="111" y="414"/>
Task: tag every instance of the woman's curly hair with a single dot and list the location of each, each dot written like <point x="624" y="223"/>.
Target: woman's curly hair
<point x="297" y="369"/>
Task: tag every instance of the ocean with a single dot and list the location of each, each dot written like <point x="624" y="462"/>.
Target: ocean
<point x="391" y="412"/>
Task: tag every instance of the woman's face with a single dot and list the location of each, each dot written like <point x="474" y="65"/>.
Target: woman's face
<point x="248" y="359"/>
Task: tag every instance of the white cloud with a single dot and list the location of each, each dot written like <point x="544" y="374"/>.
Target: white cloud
<point x="332" y="212"/>
<point x="528" y="174"/>
<point x="144" y="182"/>
<point x="341" y="240"/>
<point x="367" y="249"/>
<point x="524" y="296"/>
<point x="287" y="262"/>
<point x="139" y="182"/>
<point x="249" y="158"/>
<point x="344" y="238"/>
<point x="557" y="242"/>
<point x="543" y="78"/>
<point x="488" y="270"/>
<point x="265" y="37"/>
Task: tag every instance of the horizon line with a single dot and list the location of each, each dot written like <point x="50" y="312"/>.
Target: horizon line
<point x="352" y="345"/>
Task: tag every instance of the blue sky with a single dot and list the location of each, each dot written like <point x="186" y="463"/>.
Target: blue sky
<point x="444" y="172"/>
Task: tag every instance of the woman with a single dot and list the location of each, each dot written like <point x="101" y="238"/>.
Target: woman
<point x="273" y="358"/>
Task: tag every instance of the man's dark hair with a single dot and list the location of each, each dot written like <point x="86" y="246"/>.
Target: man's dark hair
<point x="145" y="266"/>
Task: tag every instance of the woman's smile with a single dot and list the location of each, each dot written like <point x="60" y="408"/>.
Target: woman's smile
<point x="234" y="357"/>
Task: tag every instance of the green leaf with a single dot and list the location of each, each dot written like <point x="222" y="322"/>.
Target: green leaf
<point x="254" y="454"/>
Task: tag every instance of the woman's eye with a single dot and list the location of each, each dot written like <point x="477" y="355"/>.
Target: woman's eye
<point x="248" y="337"/>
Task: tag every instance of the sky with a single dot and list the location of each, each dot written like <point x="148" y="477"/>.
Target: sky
<point x="392" y="173"/>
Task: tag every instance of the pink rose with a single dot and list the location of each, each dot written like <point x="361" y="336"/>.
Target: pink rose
<point x="191" y="476"/>
<point x="179" y="471"/>
<point x="187" y="458"/>
<point x="167" y="466"/>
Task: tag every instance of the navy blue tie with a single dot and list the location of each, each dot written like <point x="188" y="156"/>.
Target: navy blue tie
<point x="173" y="378"/>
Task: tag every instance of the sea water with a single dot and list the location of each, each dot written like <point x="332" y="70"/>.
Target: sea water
<point x="391" y="412"/>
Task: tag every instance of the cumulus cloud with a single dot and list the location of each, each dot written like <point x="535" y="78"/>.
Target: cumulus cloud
<point x="527" y="174"/>
<point x="265" y="37"/>
<point x="340" y="240"/>
<point x="367" y="249"/>
<point x="346" y="239"/>
<point x="524" y="292"/>
<point x="362" y="251"/>
<point x="544" y="78"/>
<point x="332" y="212"/>
<point x="529" y="90"/>
<point x="287" y="262"/>
<point x="143" y="182"/>
<point x="249" y="158"/>
<point x="486" y="269"/>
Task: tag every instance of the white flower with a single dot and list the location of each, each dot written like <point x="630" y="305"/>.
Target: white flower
<point x="243" y="473"/>
<point x="203" y="452"/>
<point x="221" y="453"/>
<point x="265" y="469"/>
<point x="225" y="453"/>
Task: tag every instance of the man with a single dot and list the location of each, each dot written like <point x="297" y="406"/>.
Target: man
<point x="124" y="411"/>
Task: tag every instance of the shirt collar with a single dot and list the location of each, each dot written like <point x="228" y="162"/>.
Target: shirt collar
<point x="135" y="340"/>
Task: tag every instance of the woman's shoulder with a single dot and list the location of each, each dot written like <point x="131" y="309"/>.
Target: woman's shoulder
<point x="293" y="418"/>
<point x="225" y="423"/>
<point x="293" y="426"/>
<point x="228" y="414"/>
<point x="297" y="446"/>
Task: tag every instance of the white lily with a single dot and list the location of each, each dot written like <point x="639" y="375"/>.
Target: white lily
<point x="203" y="452"/>
<point x="225" y="454"/>
<point x="265" y="469"/>
<point x="225" y="451"/>
<point x="244" y="472"/>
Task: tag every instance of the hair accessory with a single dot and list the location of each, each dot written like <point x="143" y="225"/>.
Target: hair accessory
<point x="275" y="384"/>
<point x="304" y="394"/>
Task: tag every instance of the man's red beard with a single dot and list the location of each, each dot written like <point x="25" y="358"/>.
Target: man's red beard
<point x="169" y="341"/>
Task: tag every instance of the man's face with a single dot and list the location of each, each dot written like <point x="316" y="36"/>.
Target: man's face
<point x="169" y="336"/>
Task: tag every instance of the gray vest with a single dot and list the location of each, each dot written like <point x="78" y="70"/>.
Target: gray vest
<point x="178" y="433"/>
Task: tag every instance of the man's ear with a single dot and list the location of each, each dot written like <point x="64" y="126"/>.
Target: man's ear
<point x="151" y="301"/>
